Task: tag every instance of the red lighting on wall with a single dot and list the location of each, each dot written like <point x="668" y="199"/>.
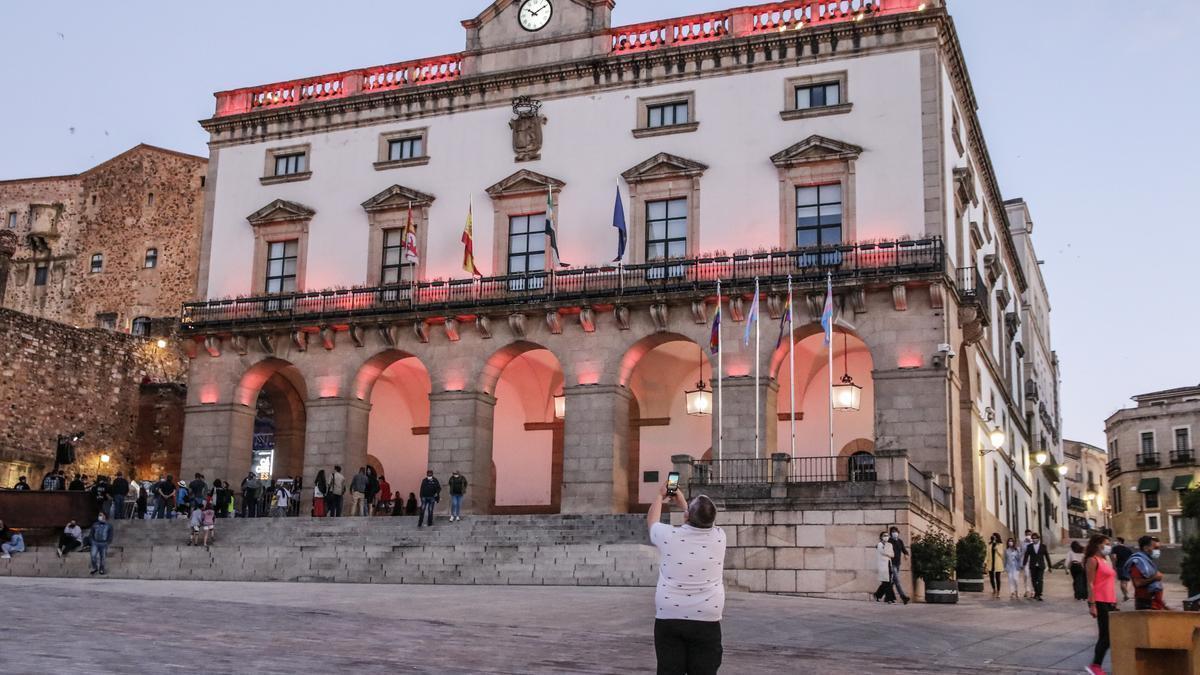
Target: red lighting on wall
<point x="209" y="394"/>
<point x="588" y="375"/>
<point x="328" y="386"/>
<point x="910" y="361"/>
<point x="455" y="382"/>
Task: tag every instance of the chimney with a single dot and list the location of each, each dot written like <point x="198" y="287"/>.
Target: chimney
<point x="8" y="246"/>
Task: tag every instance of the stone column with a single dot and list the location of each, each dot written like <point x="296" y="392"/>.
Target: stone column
<point x="217" y="441"/>
<point x="596" y="450"/>
<point x="335" y="433"/>
<point x="738" y="418"/>
<point x="912" y="411"/>
<point x="460" y="437"/>
<point x="8" y="246"/>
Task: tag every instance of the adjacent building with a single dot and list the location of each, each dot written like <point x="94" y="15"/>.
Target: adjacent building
<point x="1152" y="458"/>
<point x="416" y="265"/>
<point x="114" y="247"/>
<point x="1086" y="488"/>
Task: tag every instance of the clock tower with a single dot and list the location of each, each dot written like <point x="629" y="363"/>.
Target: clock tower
<point x="513" y="34"/>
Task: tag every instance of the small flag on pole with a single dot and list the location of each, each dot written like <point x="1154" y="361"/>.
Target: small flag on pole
<point x="550" y="231"/>
<point x="468" y="241"/>
<point x="411" y="254"/>
<point x="619" y="223"/>
<point x="714" y="338"/>
<point x="751" y="320"/>
<point x="783" y="322"/>
<point x="827" y="315"/>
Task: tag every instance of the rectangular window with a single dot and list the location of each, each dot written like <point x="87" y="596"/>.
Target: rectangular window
<point x="1150" y="500"/>
<point x="819" y="221"/>
<point x="405" y="148"/>
<point x="527" y="249"/>
<point x="1112" y="449"/>
<point x="1116" y="500"/>
<point x="666" y="229"/>
<point x="818" y="95"/>
<point x="394" y="270"/>
<point x="1147" y="442"/>
<point x="667" y="115"/>
<point x="12" y="220"/>
<point x="97" y="263"/>
<point x="107" y="321"/>
<point x="289" y="165"/>
<point x="40" y="273"/>
<point x="281" y="266"/>
<point x="1153" y="523"/>
<point x="1183" y="440"/>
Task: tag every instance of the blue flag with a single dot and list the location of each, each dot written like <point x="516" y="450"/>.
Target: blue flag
<point x="619" y="223"/>
<point x="827" y="315"/>
<point x="751" y="318"/>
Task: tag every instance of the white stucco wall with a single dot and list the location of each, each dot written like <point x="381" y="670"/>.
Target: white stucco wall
<point x="587" y="144"/>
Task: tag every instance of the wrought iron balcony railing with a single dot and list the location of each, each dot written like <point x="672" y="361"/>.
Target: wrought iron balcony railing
<point x="1183" y="456"/>
<point x="972" y="290"/>
<point x="1147" y="458"/>
<point x="1113" y="467"/>
<point x="805" y="266"/>
<point x="799" y="470"/>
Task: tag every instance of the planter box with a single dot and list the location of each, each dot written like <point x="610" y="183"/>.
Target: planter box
<point x="941" y="592"/>
<point x="970" y="585"/>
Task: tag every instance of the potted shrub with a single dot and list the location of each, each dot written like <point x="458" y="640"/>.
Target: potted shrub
<point x="933" y="562"/>
<point x="970" y="552"/>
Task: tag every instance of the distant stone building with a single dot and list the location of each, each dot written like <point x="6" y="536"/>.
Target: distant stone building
<point x="114" y="247"/>
<point x="1152" y="458"/>
<point x="1086" y="488"/>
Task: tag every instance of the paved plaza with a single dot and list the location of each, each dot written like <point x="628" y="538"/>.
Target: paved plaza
<point x="109" y="625"/>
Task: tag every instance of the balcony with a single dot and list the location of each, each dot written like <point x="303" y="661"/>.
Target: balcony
<point x="972" y="291"/>
<point x="1077" y="504"/>
<point x="760" y="20"/>
<point x="1113" y="467"/>
<point x="1183" y="456"/>
<point x="1147" y="458"/>
<point x="807" y="268"/>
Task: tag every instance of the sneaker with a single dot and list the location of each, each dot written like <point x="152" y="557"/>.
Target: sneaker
<point x="5" y="556"/>
<point x="906" y="600"/>
<point x="58" y="551"/>
<point x="102" y="572"/>
<point x="1094" y="670"/>
<point x="93" y="572"/>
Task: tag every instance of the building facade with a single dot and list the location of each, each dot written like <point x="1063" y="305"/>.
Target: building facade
<point x="1086" y="488"/>
<point x="743" y="147"/>
<point x="1152" y="458"/>
<point x="115" y="247"/>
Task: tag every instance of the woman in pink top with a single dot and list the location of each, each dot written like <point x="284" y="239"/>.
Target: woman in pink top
<point x="1102" y="593"/>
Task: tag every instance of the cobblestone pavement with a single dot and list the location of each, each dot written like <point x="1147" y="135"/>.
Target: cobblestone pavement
<point x="108" y="625"/>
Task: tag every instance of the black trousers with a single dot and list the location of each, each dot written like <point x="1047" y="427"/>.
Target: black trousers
<point x="1102" y="610"/>
<point x="333" y="506"/>
<point x="1037" y="576"/>
<point x="885" y="591"/>
<point x="995" y="579"/>
<point x="1079" y="581"/>
<point x="687" y="647"/>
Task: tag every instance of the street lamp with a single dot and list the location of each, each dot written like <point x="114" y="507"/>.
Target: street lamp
<point x="699" y="401"/>
<point x="104" y="459"/>
<point x="162" y="344"/>
<point x="1062" y="469"/>
<point x="560" y="407"/>
<point x="847" y="395"/>
<point x="997" y="437"/>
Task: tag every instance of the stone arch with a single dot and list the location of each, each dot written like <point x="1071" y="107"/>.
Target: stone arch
<point x="397" y="385"/>
<point x="373" y="368"/>
<point x="274" y="390"/>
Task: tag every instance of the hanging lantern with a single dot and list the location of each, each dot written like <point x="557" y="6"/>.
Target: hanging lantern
<point x="560" y="407"/>
<point x="1041" y="457"/>
<point x="699" y="401"/>
<point x="847" y="395"/>
<point x="997" y="437"/>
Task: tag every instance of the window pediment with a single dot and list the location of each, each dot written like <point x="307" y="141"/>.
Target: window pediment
<point x="816" y="149"/>
<point x="280" y="211"/>
<point x="964" y="186"/>
<point x="664" y="165"/>
<point x="397" y="197"/>
<point x="524" y="182"/>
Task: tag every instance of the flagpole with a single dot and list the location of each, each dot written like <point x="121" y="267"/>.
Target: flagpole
<point x="757" y="346"/>
<point x="720" y="379"/>
<point x="829" y="294"/>
<point x="792" y="364"/>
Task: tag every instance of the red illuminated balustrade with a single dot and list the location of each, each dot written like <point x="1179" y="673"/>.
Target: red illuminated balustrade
<point x="643" y="37"/>
<point x="608" y="284"/>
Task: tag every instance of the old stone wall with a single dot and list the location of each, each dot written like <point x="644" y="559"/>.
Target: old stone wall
<point x="57" y="379"/>
<point x="146" y="198"/>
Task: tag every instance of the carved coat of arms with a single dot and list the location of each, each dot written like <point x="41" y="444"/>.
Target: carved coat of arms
<point x="527" y="129"/>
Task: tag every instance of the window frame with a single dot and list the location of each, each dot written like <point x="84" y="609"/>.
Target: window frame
<point x="793" y="85"/>
<point x="41" y="274"/>
<point x="667" y="240"/>
<point x="819" y="228"/>
<point x="384" y="159"/>
<point x="509" y="255"/>
<point x="1175" y="436"/>
<point x="405" y="271"/>
<point x="271" y="175"/>
<point x="96" y="263"/>
<point x="141" y="321"/>
<point x="1142" y="452"/>
<point x="109" y="318"/>
<point x="283" y="276"/>
<point x="1157" y="520"/>
<point x="12" y="219"/>
<point x="642" y="127"/>
<point x="1146" y="500"/>
<point x="150" y="259"/>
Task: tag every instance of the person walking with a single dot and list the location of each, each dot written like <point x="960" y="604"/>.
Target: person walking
<point x="358" y="491"/>
<point x="884" y="554"/>
<point x="251" y="486"/>
<point x="458" y="488"/>
<point x="1037" y="559"/>
<point x="1075" y="569"/>
<point x="209" y="523"/>
<point x="333" y="496"/>
<point x="70" y="540"/>
<point x="431" y="492"/>
<point x="1142" y="570"/>
<point x="282" y="498"/>
<point x="384" y="498"/>
<point x="898" y="553"/>
<point x="1101" y="596"/>
<point x="100" y="537"/>
<point x="690" y="597"/>
<point x="1025" y="575"/>
<point x="1013" y="565"/>
<point x="995" y="562"/>
<point x="1121" y="554"/>
<point x="198" y="490"/>
<point x="320" y="485"/>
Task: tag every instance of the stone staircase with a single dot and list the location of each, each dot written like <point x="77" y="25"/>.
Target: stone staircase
<point x="499" y="550"/>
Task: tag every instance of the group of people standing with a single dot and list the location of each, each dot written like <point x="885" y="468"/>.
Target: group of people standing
<point x="369" y="493"/>
<point x="1025" y="565"/>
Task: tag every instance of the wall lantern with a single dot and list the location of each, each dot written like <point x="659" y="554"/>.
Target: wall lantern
<point x="699" y="401"/>
<point x="1041" y="457"/>
<point x="162" y="344"/>
<point x="1062" y="469"/>
<point x="997" y="435"/>
<point x="560" y="407"/>
<point x="847" y="395"/>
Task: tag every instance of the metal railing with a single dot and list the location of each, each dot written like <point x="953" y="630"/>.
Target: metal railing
<point x="1113" y="467"/>
<point x="805" y="266"/>
<point x="1183" y="456"/>
<point x="973" y="290"/>
<point x="799" y="470"/>
<point x="1148" y="458"/>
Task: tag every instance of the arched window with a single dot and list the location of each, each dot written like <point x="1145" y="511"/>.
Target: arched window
<point x="141" y="326"/>
<point x="862" y="467"/>
<point x="97" y="262"/>
<point x="151" y="258"/>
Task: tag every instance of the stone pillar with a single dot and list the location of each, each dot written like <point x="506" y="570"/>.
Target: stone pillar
<point x="335" y="433"/>
<point x="682" y="465"/>
<point x="779" y="467"/>
<point x="596" y="450"/>
<point x="460" y="437"/>
<point x="738" y="418"/>
<point x="912" y="411"/>
<point x="8" y="246"/>
<point x="217" y="441"/>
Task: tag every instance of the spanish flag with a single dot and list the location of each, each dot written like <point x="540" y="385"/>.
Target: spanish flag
<point x="468" y="241"/>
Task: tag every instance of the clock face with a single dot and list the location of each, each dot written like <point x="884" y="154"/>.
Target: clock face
<point x="535" y="14"/>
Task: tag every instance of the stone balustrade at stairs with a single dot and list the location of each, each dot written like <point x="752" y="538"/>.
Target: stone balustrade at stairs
<point x="495" y="550"/>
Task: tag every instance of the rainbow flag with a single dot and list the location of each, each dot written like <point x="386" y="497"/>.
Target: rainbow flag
<point x="827" y="315"/>
<point x="751" y="318"/>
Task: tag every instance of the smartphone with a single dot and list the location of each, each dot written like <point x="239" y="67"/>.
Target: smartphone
<point x="672" y="483"/>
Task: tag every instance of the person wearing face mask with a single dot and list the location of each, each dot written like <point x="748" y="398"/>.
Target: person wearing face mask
<point x="995" y="562"/>
<point x="1037" y="559"/>
<point x="898" y="553"/>
<point x="1101" y="596"/>
<point x="885" y="555"/>
<point x="1012" y="565"/>
<point x="1075" y="569"/>
<point x="1142" y="568"/>
<point x="1025" y="576"/>
<point x="100" y="536"/>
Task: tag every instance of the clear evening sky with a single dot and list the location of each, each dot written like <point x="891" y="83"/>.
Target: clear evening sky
<point x="1089" y="108"/>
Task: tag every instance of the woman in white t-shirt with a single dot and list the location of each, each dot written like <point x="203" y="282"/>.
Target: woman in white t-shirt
<point x="71" y="539"/>
<point x="690" y="598"/>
